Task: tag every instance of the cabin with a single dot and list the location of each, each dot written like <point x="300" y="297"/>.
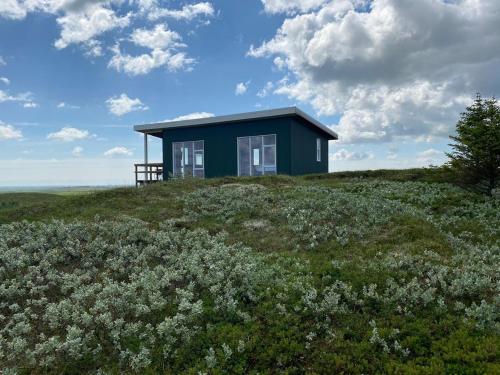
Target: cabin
<point x="278" y="141"/>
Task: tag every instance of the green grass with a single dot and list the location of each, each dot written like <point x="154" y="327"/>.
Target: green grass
<point x="439" y="342"/>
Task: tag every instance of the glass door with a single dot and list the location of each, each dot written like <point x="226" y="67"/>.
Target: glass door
<point x="256" y="155"/>
<point x="188" y="159"/>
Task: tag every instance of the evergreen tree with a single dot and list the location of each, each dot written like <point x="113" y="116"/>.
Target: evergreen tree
<point x="476" y="147"/>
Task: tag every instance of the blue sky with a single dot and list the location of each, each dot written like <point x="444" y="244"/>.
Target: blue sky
<point x="389" y="76"/>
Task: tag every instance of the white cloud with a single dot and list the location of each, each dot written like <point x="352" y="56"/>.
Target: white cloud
<point x="5" y="80"/>
<point x="121" y="105"/>
<point x="431" y="156"/>
<point x="12" y="9"/>
<point x="291" y="6"/>
<point x="62" y="105"/>
<point x="31" y="105"/>
<point x="396" y="69"/>
<point x="23" y="97"/>
<point x="344" y="154"/>
<point x="80" y="27"/>
<point x="241" y="88"/>
<point x="143" y="64"/>
<point x="192" y="116"/>
<point x="77" y="151"/>
<point x="69" y="134"/>
<point x="163" y="44"/>
<point x="392" y="153"/>
<point x="266" y="90"/>
<point x="158" y="38"/>
<point x="188" y="12"/>
<point x="118" y="151"/>
<point x="2" y="61"/>
<point x="92" y="48"/>
<point x="80" y="20"/>
<point x="82" y="23"/>
<point x="9" y="132"/>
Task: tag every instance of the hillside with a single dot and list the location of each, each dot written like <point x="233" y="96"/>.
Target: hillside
<point x="376" y="272"/>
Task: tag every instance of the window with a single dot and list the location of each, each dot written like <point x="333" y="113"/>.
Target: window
<point x="256" y="155"/>
<point x="188" y="159"/>
<point x="318" y="149"/>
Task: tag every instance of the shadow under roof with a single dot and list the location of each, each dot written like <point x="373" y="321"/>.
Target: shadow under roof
<point x="156" y="128"/>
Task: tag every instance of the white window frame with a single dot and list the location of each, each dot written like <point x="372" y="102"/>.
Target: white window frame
<point x="261" y="153"/>
<point x="184" y="148"/>
<point x="318" y="149"/>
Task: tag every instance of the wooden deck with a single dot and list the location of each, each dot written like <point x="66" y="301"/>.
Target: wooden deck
<point x="148" y="173"/>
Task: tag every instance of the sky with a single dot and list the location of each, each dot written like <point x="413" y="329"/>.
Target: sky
<point x="391" y="77"/>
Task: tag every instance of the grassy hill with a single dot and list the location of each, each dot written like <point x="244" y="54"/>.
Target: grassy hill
<point x="366" y="272"/>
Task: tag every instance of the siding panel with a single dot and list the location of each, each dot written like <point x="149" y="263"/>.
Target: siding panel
<point x="303" y="149"/>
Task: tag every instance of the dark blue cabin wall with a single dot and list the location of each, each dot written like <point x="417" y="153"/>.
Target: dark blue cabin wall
<point x="303" y="148"/>
<point x="220" y="142"/>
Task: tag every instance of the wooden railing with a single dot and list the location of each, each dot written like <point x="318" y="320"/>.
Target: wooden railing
<point x="148" y="173"/>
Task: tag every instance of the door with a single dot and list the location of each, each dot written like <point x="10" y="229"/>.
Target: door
<point x="256" y="155"/>
<point x="188" y="159"/>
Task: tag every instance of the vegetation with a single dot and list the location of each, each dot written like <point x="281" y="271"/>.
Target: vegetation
<point x="476" y="147"/>
<point x="321" y="274"/>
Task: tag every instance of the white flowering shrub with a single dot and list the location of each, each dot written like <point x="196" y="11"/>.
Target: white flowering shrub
<point x="227" y="201"/>
<point x="137" y="297"/>
<point x="465" y="211"/>
<point x="114" y="292"/>
<point x="317" y="214"/>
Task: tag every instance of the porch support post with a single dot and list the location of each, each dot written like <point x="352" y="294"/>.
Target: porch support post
<point x="146" y="157"/>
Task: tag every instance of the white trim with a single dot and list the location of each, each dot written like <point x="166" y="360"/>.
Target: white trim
<point x="155" y="128"/>
<point x="146" y="155"/>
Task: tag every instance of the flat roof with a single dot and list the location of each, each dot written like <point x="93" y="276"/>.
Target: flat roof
<point x="279" y="112"/>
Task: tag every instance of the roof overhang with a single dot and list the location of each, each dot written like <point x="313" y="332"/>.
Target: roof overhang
<point x="156" y="128"/>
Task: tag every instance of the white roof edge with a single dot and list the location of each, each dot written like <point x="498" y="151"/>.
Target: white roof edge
<point x="157" y="127"/>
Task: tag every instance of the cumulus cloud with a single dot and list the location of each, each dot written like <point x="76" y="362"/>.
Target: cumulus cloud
<point x="121" y="105"/>
<point x="191" y="116"/>
<point x="266" y="90"/>
<point x="92" y="48"/>
<point x="77" y="151"/>
<point x="291" y="6"/>
<point x="164" y="45"/>
<point x="344" y="154"/>
<point x="12" y="9"/>
<point x="158" y="38"/>
<point x="187" y="12"/>
<point x="81" y="27"/>
<point x="69" y="134"/>
<point x="430" y="156"/>
<point x="62" y="105"/>
<point x="9" y="132"/>
<point x="82" y="22"/>
<point x="118" y="151"/>
<point x="23" y="97"/>
<point x="241" y="88"/>
<point x="392" y="153"/>
<point x="31" y="105"/>
<point x="5" y="80"/>
<point x="396" y="69"/>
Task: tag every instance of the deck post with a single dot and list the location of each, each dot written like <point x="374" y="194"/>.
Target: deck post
<point x="145" y="158"/>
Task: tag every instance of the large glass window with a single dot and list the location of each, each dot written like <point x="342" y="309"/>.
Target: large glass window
<point x="257" y="155"/>
<point x="188" y="159"/>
